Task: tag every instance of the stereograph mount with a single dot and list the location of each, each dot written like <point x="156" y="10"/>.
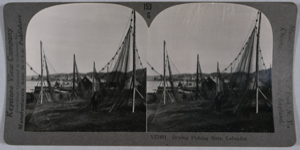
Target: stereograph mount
<point x="24" y="129"/>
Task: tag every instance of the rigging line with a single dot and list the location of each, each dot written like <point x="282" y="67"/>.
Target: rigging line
<point x="46" y="58"/>
<point x="111" y="60"/>
<point x="139" y="59"/>
<point x="174" y="65"/>
<point x="32" y="69"/>
<point x="153" y="69"/>
<point x="249" y="33"/>
<point x="245" y="43"/>
<point x="262" y="57"/>
<point x="50" y="63"/>
<point x="139" y="56"/>
<point x="121" y="42"/>
<point x="251" y="28"/>
<point x="126" y="27"/>
<point x="172" y="61"/>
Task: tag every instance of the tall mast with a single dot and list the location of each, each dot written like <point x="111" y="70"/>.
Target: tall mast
<point x="134" y="69"/>
<point x="170" y="78"/>
<point x="197" y="78"/>
<point x="257" y="69"/>
<point x="74" y="65"/>
<point x="93" y="76"/>
<point x="107" y="78"/>
<point x="42" y="81"/>
<point x="164" y="92"/>
<point x="49" y="82"/>
<point x="217" y="77"/>
<point x="230" y="73"/>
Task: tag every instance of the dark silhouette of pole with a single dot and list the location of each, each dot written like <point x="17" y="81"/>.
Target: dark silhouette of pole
<point x="257" y="69"/>
<point x="197" y="78"/>
<point x="134" y="67"/>
<point x="73" y="93"/>
<point x="42" y="81"/>
<point x="217" y="78"/>
<point x="171" y="80"/>
<point x="164" y="92"/>
<point x="93" y="76"/>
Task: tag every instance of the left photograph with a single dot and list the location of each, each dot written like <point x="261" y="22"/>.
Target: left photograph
<point x="86" y="69"/>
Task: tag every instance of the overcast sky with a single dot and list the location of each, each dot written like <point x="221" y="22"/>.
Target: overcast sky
<point x="93" y="32"/>
<point x="217" y="32"/>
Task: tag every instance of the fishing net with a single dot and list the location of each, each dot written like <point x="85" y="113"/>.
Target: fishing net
<point x="241" y="82"/>
<point x="83" y="88"/>
<point x="51" y="90"/>
<point x="116" y="84"/>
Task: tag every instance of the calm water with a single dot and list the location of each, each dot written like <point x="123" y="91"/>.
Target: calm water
<point x="152" y="86"/>
<point x="30" y="85"/>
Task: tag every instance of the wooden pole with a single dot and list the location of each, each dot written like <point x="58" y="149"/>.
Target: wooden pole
<point x="197" y="78"/>
<point x="164" y="92"/>
<point x="51" y="91"/>
<point x="171" y="80"/>
<point x="73" y="93"/>
<point x="257" y="69"/>
<point x="42" y="81"/>
<point x="93" y="76"/>
<point x="134" y="67"/>
<point x="217" y="78"/>
<point x="107" y="78"/>
<point x="230" y="73"/>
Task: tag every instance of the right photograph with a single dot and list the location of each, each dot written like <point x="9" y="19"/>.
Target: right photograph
<point x="210" y="70"/>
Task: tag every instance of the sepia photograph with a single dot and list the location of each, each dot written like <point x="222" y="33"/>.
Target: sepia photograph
<point x="86" y="69"/>
<point x="210" y="69"/>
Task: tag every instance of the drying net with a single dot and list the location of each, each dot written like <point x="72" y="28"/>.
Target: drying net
<point x="239" y="77"/>
<point x="82" y="88"/>
<point x="115" y="78"/>
<point x="49" y="86"/>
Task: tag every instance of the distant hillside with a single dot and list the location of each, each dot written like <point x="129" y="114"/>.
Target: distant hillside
<point x="140" y="73"/>
<point x="264" y="76"/>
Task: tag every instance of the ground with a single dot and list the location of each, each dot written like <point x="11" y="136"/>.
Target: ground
<point x="76" y="115"/>
<point x="196" y="116"/>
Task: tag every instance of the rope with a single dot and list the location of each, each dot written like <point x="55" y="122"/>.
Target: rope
<point x="262" y="58"/>
<point x="139" y="57"/>
<point x="126" y="27"/>
<point x="172" y="62"/>
<point x="32" y="68"/>
<point x="245" y="43"/>
<point x="120" y="44"/>
<point x="46" y="58"/>
<point x="153" y="69"/>
<point x="174" y="65"/>
<point x="50" y="63"/>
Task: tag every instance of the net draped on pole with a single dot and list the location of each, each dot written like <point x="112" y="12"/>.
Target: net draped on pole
<point x="115" y="77"/>
<point x="242" y="72"/>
